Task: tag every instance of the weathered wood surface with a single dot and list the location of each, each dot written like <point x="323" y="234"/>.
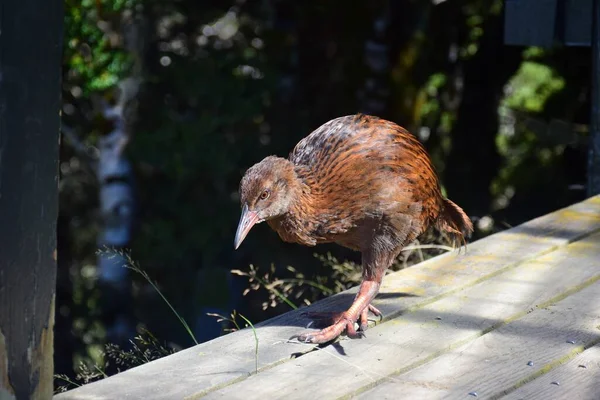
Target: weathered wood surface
<point x="578" y="379"/>
<point x="30" y="86"/>
<point x="521" y="348"/>
<point x="443" y="319"/>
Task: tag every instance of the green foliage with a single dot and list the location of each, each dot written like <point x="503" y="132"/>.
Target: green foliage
<point x="92" y="53"/>
<point x="529" y="139"/>
<point x="531" y="87"/>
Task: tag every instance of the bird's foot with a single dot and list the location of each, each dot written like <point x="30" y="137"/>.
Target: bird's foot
<point x="330" y="333"/>
<point x="321" y="319"/>
<point x="338" y="322"/>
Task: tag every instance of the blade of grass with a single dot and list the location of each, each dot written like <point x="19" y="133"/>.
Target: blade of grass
<point x="132" y="265"/>
<point x="255" y="341"/>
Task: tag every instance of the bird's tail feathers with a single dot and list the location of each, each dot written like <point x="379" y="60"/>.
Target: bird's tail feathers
<point x="454" y="221"/>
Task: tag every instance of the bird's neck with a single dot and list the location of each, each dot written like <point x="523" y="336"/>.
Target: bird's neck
<point x="306" y="194"/>
<point x="298" y="224"/>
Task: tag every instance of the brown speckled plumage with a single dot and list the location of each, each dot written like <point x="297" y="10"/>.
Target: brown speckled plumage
<point x="359" y="181"/>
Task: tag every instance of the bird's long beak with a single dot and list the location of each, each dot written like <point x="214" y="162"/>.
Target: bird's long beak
<point x="247" y="221"/>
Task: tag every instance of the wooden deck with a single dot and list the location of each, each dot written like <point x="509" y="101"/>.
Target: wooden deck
<point x="516" y="317"/>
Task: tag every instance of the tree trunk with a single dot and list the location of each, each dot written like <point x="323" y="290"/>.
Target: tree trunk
<point x="30" y="74"/>
<point x="117" y="208"/>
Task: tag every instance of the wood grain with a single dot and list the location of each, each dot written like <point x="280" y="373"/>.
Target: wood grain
<point x="30" y="87"/>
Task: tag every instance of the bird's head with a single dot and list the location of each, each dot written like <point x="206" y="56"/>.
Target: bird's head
<point x="266" y="192"/>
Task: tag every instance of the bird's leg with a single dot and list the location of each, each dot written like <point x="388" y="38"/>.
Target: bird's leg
<point x="359" y="309"/>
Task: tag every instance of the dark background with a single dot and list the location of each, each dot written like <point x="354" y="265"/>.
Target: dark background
<point x="226" y="83"/>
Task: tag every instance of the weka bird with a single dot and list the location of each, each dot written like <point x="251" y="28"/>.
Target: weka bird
<point x="361" y="182"/>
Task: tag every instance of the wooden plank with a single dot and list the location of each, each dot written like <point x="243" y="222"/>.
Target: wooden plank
<point x="231" y="358"/>
<point x="415" y="338"/>
<point x="30" y="87"/>
<point x="505" y="358"/>
<point x="578" y="379"/>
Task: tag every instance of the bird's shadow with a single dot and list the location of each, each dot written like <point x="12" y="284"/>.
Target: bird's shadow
<point x="319" y="315"/>
<point x="394" y="295"/>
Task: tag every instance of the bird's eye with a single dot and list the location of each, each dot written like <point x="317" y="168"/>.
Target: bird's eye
<point x="264" y="195"/>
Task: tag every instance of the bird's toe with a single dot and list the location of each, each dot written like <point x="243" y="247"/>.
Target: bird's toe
<point x="330" y="333"/>
<point x="375" y="311"/>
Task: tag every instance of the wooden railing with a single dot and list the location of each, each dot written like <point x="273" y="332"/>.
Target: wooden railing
<point x="517" y="315"/>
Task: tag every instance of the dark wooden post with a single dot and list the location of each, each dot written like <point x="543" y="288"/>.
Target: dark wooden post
<point x="30" y="76"/>
<point x="594" y="150"/>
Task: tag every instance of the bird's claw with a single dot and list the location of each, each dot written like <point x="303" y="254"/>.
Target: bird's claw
<point x="343" y="322"/>
<point x="328" y="334"/>
<point x="375" y="311"/>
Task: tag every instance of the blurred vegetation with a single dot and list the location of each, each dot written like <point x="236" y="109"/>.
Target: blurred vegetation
<point x="227" y="83"/>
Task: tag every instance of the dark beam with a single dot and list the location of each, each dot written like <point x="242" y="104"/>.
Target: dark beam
<point x="530" y="22"/>
<point x="30" y="78"/>
<point x="594" y="146"/>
